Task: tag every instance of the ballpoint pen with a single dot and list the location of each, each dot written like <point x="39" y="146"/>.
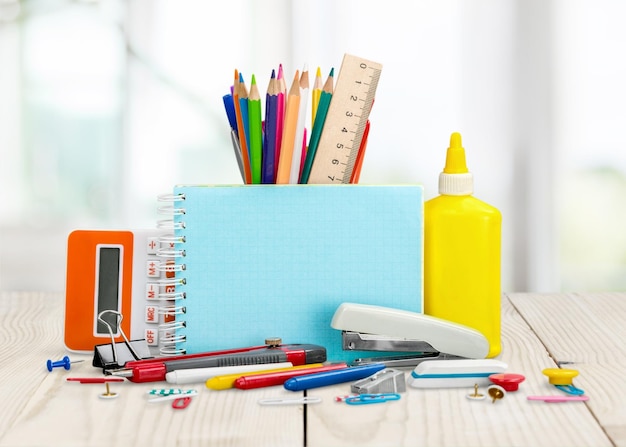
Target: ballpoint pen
<point x="153" y="370"/>
<point x="332" y="377"/>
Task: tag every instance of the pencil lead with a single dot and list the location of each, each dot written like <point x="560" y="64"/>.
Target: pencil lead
<point x="332" y="72"/>
<point x="273" y="74"/>
<point x="318" y="73"/>
<point x="253" y="81"/>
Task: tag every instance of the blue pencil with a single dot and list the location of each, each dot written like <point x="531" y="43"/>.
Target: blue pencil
<point x="271" y="126"/>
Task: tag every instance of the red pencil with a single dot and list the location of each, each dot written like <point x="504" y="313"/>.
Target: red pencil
<point x="278" y="378"/>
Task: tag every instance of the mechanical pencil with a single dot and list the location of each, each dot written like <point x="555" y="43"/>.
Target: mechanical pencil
<point x="260" y="380"/>
<point x="309" y="381"/>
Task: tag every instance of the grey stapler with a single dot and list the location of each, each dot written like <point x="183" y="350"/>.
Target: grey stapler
<point x="419" y="337"/>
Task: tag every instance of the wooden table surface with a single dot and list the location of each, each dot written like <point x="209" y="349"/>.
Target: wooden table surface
<point x="585" y="331"/>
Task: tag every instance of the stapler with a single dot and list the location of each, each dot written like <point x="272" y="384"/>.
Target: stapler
<point x="419" y="337"/>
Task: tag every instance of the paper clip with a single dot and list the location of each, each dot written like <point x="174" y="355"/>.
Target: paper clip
<point x="181" y="398"/>
<point x="172" y="395"/>
<point x="364" y="399"/>
<point x="298" y="401"/>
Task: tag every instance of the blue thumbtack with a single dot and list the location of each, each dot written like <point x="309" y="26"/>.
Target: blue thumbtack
<point x="64" y="362"/>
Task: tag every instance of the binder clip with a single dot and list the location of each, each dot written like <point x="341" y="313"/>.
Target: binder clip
<point x="386" y="381"/>
<point x="115" y="355"/>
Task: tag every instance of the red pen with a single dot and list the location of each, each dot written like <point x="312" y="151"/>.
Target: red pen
<point x="279" y="377"/>
<point x="94" y="379"/>
<point x="154" y="370"/>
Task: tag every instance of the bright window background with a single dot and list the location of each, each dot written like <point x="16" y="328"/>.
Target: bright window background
<point x="105" y="104"/>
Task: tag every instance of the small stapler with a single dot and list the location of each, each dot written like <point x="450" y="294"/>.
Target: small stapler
<point x="420" y="337"/>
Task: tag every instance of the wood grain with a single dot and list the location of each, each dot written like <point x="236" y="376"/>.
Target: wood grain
<point x="41" y="408"/>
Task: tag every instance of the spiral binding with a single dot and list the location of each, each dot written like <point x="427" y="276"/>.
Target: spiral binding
<point x="171" y="268"/>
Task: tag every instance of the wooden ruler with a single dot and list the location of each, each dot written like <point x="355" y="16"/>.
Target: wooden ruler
<point x="348" y="112"/>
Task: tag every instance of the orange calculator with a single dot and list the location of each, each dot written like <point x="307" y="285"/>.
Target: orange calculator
<point x="120" y="271"/>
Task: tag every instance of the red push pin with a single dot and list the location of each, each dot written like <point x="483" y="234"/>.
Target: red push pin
<point x="508" y="381"/>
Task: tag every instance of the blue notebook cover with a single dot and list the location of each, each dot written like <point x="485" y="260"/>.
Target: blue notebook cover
<point x="277" y="260"/>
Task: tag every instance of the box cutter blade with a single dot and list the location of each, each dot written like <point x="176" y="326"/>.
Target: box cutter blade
<point x="375" y="328"/>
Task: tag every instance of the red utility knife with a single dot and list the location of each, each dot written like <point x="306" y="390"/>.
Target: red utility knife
<point x="154" y="370"/>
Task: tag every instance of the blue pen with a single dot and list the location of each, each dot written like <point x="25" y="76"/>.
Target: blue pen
<point x="332" y="377"/>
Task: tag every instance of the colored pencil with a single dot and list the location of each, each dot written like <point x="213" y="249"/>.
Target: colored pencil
<point x="256" y="131"/>
<point x="315" y="94"/>
<point x="318" y="126"/>
<point x="296" y="160"/>
<point x="289" y="131"/>
<point x="358" y="164"/>
<point x="243" y="103"/>
<point x="280" y="114"/>
<point x="242" y="141"/>
<point x="269" y="140"/>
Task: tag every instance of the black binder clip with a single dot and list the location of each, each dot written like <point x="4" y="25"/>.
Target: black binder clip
<point x="115" y="355"/>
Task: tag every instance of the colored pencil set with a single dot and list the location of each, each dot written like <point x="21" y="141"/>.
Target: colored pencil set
<point x="273" y="147"/>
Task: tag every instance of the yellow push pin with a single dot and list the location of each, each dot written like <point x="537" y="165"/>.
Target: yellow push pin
<point x="562" y="379"/>
<point x="558" y="376"/>
<point x="476" y="395"/>
<point x="496" y="392"/>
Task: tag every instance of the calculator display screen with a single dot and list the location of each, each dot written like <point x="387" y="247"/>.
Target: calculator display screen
<point x="108" y="282"/>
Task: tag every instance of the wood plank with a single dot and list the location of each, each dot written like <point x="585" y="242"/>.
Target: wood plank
<point x="441" y="417"/>
<point x="41" y="408"/>
<point x="587" y="330"/>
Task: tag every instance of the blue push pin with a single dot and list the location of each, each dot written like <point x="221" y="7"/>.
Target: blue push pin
<point x="64" y="362"/>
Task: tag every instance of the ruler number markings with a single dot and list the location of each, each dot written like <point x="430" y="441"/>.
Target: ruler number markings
<point x="354" y="98"/>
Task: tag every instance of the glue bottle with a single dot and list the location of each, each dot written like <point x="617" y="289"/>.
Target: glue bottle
<point x="462" y="252"/>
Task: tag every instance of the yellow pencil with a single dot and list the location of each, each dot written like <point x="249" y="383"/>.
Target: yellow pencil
<point x="289" y="131"/>
<point x="315" y="94"/>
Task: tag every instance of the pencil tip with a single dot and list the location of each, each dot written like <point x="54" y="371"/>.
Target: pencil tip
<point x="273" y="74"/>
<point x="318" y="73"/>
<point x="332" y="72"/>
<point x="253" y="81"/>
<point x="240" y="77"/>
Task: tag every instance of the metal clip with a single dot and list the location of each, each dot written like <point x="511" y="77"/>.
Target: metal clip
<point x="386" y="381"/>
<point x="115" y="355"/>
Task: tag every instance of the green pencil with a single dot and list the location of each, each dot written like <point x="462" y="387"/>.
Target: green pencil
<point x="256" y="131"/>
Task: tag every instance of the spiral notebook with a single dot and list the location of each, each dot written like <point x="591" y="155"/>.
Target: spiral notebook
<point x="260" y="261"/>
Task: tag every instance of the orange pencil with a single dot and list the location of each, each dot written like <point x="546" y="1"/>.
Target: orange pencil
<point x="289" y="131"/>
<point x="241" y="130"/>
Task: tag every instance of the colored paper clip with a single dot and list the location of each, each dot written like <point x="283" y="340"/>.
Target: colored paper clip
<point x="365" y="399"/>
<point x="115" y="355"/>
<point x="297" y="401"/>
<point x="386" y="381"/>
<point x="181" y="398"/>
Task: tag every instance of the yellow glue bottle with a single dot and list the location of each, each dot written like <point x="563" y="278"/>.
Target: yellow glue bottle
<point x="462" y="252"/>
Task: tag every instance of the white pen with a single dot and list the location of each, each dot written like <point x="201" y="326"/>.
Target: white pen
<point x="199" y="375"/>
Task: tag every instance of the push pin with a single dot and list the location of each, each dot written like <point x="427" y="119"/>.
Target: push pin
<point x="64" y="362"/>
<point x="562" y="379"/>
<point x="476" y="395"/>
<point x="496" y="392"/>
<point x="508" y="381"/>
<point x="108" y="394"/>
